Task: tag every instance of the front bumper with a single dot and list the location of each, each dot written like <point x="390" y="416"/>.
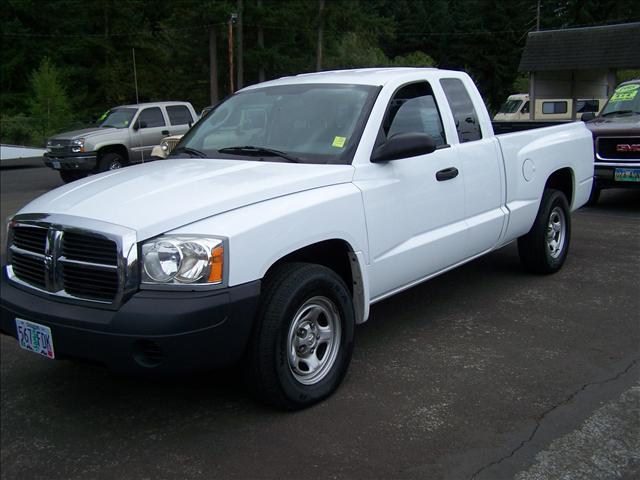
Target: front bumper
<point x="604" y="176"/>
<point x="154" y="332"/>
<point x="81" y="162"/>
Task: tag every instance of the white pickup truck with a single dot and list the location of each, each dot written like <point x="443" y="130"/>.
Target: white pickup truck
<point x="279" y="220"/>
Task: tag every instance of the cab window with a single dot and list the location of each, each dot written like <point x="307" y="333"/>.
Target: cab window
<point x="413" y="109"/>
<point x="179" y="115"/>
<point x="464" y="113"/>
<point x="152" y="117"/>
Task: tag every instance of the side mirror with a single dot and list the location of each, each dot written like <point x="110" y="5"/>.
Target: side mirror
<point x="403" y="145"/>
<point x="139" y="124"/>
<point x="585" y="117"/>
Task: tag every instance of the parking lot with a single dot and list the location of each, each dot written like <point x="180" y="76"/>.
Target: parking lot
<point x="484" y="372"/>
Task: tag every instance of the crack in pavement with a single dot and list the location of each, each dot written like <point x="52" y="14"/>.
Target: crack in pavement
<point x="540" y="418"/>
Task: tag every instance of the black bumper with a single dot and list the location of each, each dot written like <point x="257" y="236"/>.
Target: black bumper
<point x="153" y="332"/>
<point x="604" y="176"/>
<point x="81" y="162"/>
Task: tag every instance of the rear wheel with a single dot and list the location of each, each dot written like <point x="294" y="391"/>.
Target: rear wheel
<point x="302" y="343"/>
<point x="110" y="161"/>
<point x="544" y="249"/>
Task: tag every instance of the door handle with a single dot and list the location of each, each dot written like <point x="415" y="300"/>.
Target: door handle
<point x="447" y="174"/>
<point x="165" y="132"/>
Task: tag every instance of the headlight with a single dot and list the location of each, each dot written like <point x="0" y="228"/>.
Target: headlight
<point x="179" y="260"/>
<point x="77" y="145"/>
<point x="49" y="145"/>
<point x="164" y="146"/>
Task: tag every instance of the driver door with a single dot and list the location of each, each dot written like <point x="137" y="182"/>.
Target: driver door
<point x="415" y="214"/>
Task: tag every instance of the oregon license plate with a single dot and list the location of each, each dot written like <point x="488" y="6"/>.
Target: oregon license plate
<point x="56" y="164"/>
<point x="35" y="338"/>
<point x="627" y="175"/>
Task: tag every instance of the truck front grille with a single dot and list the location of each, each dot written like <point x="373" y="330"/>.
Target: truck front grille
<point x="172" y="142"/>
<point x="59" y="146"/>
<point x="66" y="262"/>
<point x="618" y="148"/>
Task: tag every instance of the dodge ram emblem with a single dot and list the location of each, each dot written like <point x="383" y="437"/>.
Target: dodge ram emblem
<point x="625" y="147"/>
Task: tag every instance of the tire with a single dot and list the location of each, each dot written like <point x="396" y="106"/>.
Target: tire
<point x="111" y="161"/>
<point x="293" y="359"/>
<point x="69" y="176"/>
<point x="595" y="194"/>
<point x="545" y="248"/>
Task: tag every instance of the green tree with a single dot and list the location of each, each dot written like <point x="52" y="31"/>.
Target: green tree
<point x="49" y="103"/>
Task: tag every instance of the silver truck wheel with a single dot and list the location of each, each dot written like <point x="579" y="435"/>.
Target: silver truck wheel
<point x="110" y="161"/>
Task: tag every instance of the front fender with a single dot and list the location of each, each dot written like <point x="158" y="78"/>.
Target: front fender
<point x="261" y="234"/>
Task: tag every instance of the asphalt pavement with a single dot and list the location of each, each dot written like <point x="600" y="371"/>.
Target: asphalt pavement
<point x="484" y="372"/>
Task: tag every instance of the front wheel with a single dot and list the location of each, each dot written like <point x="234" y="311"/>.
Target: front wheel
<point x="301" y="347"/>
<point x="544" y="249"/>
<point x="111" y="161"/>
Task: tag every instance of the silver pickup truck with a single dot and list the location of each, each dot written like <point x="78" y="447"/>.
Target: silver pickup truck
<point x="123" y="135"/>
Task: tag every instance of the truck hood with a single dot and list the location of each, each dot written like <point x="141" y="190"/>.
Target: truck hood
<point x="83" y="133"/>
<point x="615" y="125"/>
<point x="163" y="195"/>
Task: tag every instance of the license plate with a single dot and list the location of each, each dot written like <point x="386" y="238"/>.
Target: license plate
<point x="35" y="338"/>
<point x="627" y="175"/>
<point x="56" y="165"/>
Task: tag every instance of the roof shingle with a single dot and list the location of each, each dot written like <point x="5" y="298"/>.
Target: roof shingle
<point x="590" y="48"/>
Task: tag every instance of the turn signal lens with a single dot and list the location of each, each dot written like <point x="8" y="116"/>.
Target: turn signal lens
<point x="217" y="264"/>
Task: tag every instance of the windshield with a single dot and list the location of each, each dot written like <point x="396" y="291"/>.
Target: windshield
<point x="510" y="106"/>
<point x="118" y="118"/>
<point x="313" y="123"/>
<point x="625" y="99"/>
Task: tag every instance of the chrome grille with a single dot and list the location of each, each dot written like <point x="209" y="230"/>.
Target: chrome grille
<point x="172" y="142"/>
<point x="29" y="269"/>
<point x="90" y="282"/>
<point x="75" y="263"/>
<point x="32" y="239"/>
<point x="85" y="248"/>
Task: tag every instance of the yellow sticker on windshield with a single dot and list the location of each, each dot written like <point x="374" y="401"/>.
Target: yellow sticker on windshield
<point x="625" y="93"/>
<point x="338" y="142"/>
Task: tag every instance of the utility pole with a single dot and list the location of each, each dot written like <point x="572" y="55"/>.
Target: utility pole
<point x="135" y="73"/>
<point x="320" y="35"/>
<point x="261" y="75"/>
<point x="213" y="67"/>
<point x="240" y="50"/>
<point x="538" y="18"/>
<point x="232" y="20"/>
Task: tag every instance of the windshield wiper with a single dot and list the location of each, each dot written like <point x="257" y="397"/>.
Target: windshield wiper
<point x="616" y="111"/>
<point x="191" y="151"/>
<point x="260" y="150"/>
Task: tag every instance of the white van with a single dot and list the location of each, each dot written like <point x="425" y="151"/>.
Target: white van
<point x="516" y="108"/>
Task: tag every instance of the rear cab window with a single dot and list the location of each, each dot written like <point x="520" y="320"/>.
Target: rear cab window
<point x="179" y="115"/>
<point x="464" y="113"/>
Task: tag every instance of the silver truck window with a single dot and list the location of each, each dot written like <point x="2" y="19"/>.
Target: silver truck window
<point x="413" y="109"/>
<point x="152" y="117"/>
<point x="117" y="118"/>
<point x="464" y="113"/>
<point x="179" y="115"/>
